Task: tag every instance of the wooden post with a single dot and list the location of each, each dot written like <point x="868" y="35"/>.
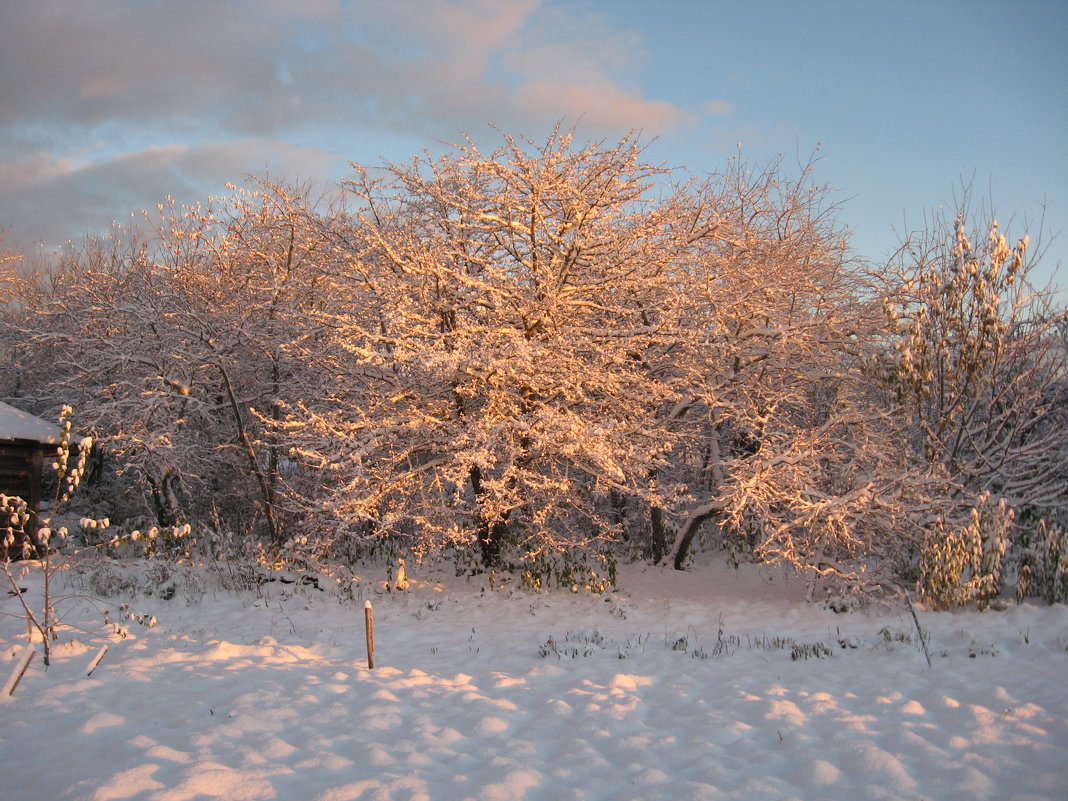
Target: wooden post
<point x="20" y="668"/>
<point x="369" y="621"/>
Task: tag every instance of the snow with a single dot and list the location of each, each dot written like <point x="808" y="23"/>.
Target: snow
<point x="676" y="686"/>
<point x="16" y="424"/>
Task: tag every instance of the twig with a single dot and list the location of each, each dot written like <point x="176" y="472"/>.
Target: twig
<point x="919" y="631"/>
<point x="96" y="660"/>
<point x="28" y="652"/>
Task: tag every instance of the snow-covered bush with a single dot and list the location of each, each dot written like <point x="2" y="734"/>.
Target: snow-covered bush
<point x="978" y="369"/>
<point x="782" y="440"/>
<point x="52" y="550"/>
<point x="1044" y="572"/>
<point x="964" y="564"/>
<point x="69" y="467"/>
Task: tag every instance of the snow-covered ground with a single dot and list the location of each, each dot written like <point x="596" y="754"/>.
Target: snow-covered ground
<point x="708" y="684"/>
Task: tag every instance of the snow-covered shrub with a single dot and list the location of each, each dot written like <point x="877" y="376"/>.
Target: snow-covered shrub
<point x="69" y="466"/>
<point x="964" y="564"/>
<point x="1044" y="572"/>
<point x="53" y="549"/>
<point x="978" y="367"/>
<point x="976" y="370"/>
<point x="781" y="440"/>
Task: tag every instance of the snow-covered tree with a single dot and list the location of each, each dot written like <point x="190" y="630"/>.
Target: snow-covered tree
<point x="493" y="315"/>
<point x="168" y="346"/>
<point x="978" y="360"/>
<point x="551" y="346"/>
<point x="784" y="439"/>
<point x="981" y="369"/>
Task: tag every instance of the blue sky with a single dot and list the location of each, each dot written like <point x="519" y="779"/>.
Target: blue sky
<point x="108" y="105"/>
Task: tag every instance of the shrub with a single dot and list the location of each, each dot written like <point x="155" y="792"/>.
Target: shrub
<point x="1045" y="565"/>
<point x="964" y="565"/>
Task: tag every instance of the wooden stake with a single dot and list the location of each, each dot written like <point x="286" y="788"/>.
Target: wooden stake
<point x="96" y="659"/>
<point x="27" y="654"/>
<point x="369" y="621"/>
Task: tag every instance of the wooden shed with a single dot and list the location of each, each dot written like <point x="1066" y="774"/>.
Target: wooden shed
<point x="25" y="442"/>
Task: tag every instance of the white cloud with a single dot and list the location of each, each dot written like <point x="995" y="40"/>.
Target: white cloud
<point x="602" y="107"/>
<point x="58" y="200"/>
<point x="469" y="28"/>
<point x="108" y="105"/>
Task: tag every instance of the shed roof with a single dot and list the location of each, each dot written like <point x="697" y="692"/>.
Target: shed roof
<point x="16" y="424"/>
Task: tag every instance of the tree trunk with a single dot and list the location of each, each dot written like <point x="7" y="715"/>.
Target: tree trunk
<point x="690" y="528"/>
<point x="490" y="533"/>
<point x="164" y="500"/>
<point x="658" y="545"/>
<point x="713" y="469"/>
<point x="658" y="536"/>
<point x="266" y="493"/>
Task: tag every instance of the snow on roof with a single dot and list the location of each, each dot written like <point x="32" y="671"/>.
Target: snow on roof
<point x="17" y="424"/>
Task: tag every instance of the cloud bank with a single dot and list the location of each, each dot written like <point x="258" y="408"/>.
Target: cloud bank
<point x="108" y="106"/>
